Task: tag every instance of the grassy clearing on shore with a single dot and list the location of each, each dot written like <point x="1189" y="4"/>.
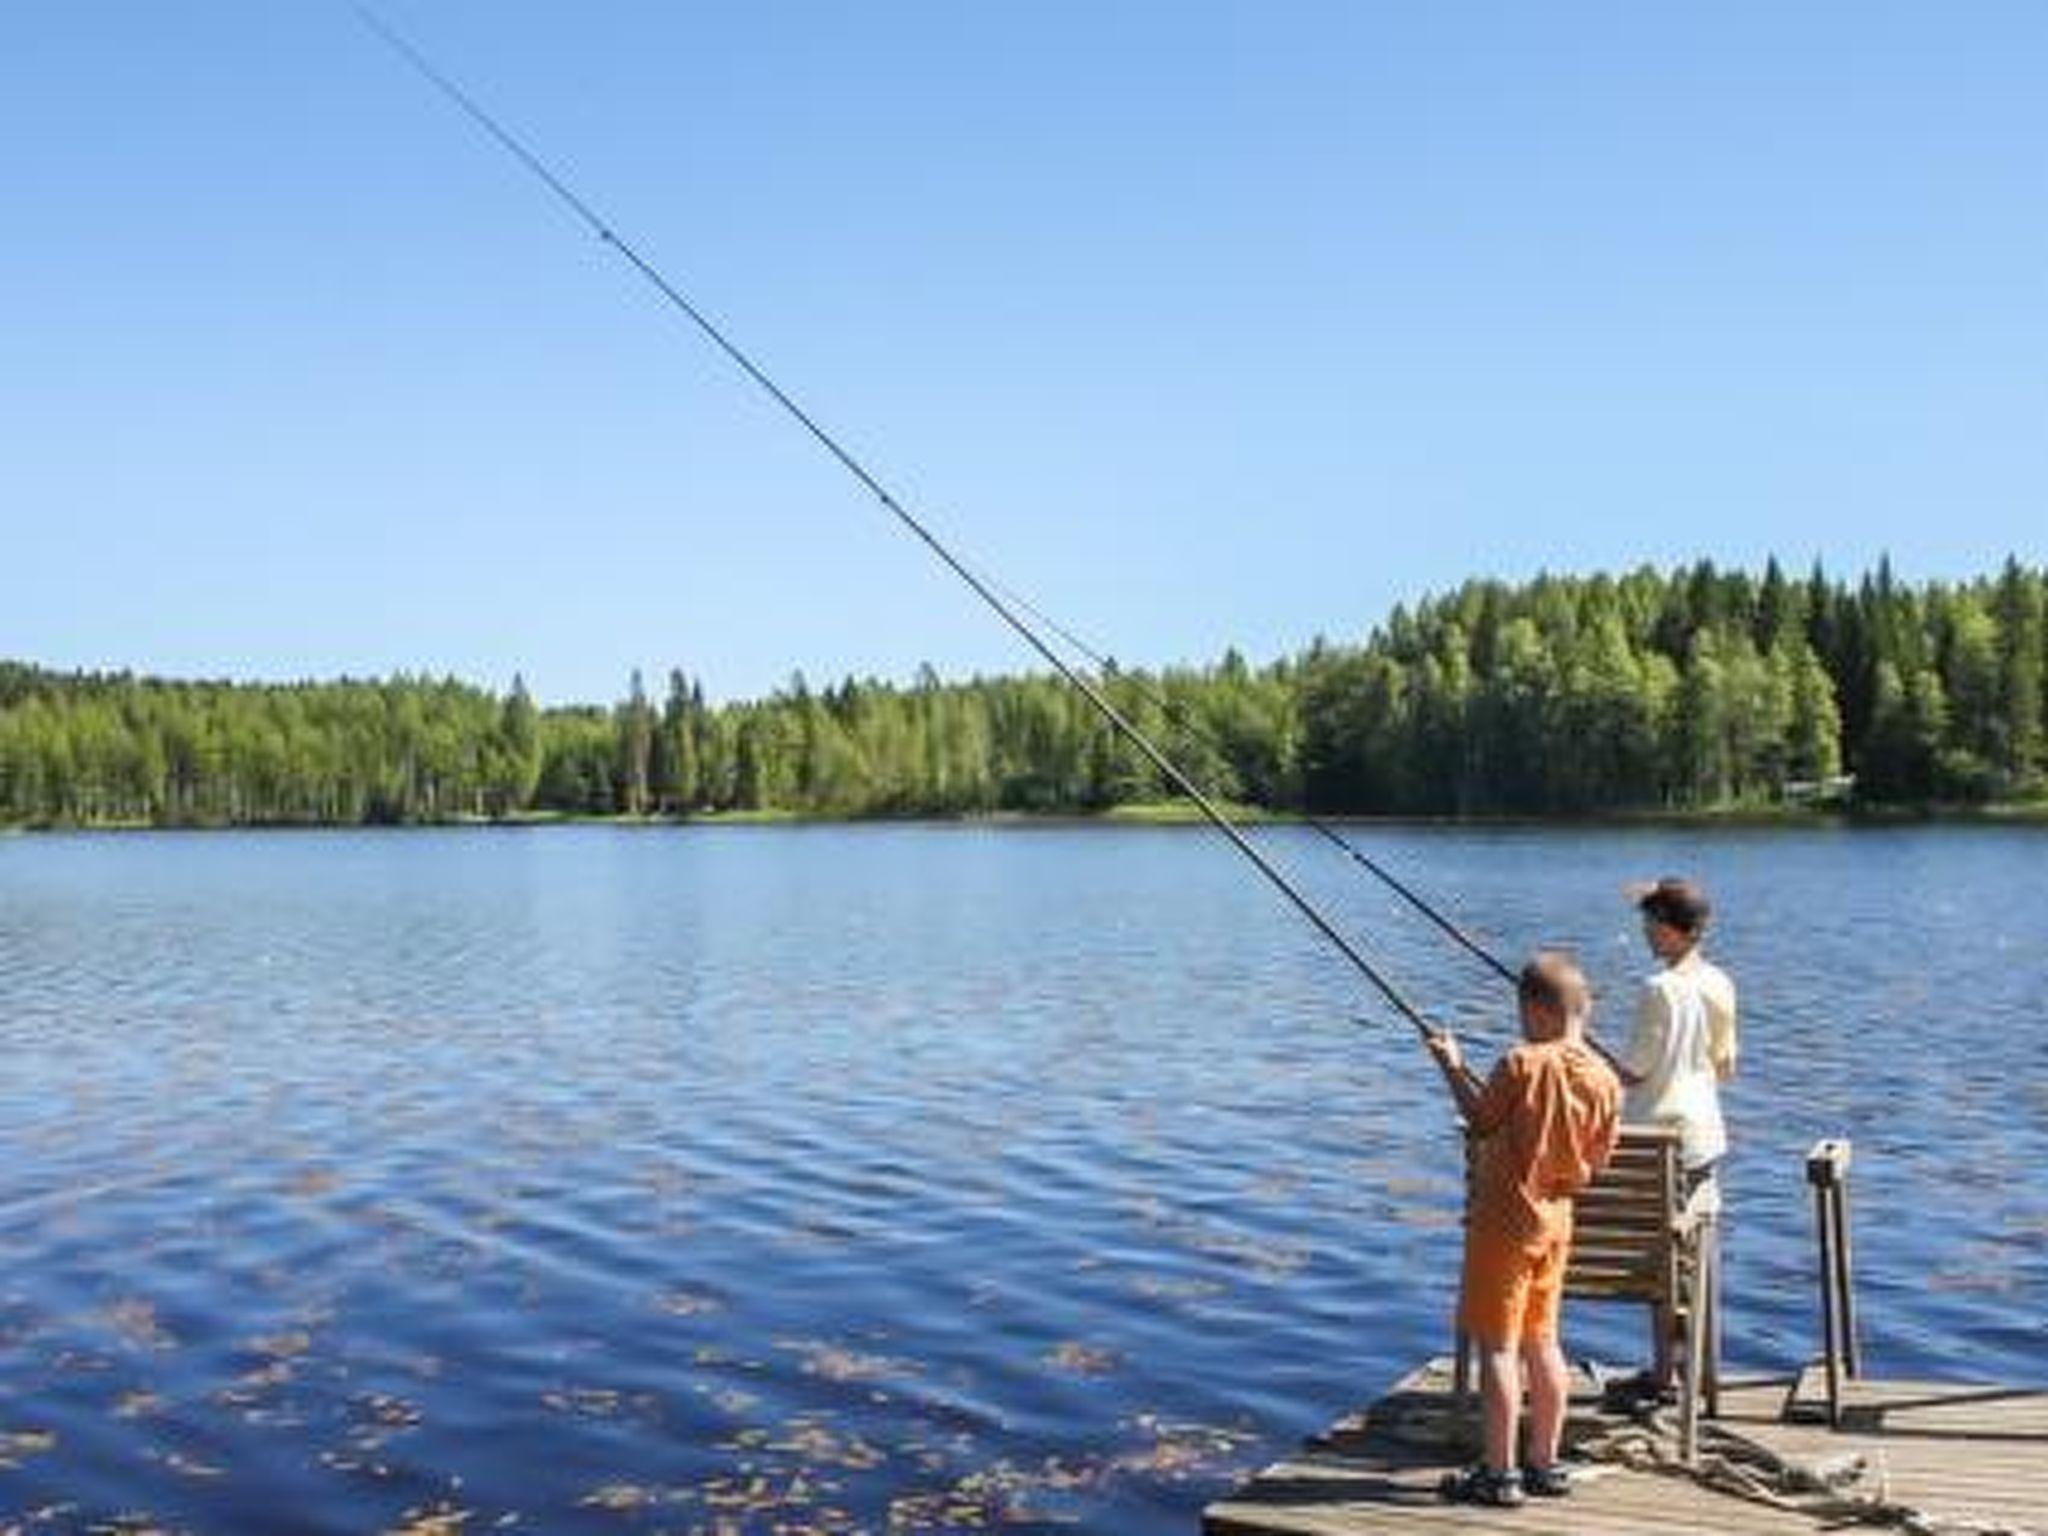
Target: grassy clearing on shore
<point x="1174" y="813"/>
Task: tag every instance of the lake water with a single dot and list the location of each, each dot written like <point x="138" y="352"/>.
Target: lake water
<point x="894" y="1177"/>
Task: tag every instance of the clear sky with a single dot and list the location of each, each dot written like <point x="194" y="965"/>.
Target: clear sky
<point x="1200" y="324"/>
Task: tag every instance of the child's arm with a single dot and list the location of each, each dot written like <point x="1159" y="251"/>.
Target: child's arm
<point x="1645" y="1039"/>
<point x="1721" y="1048"/>
<point x="1464" y="1083"/>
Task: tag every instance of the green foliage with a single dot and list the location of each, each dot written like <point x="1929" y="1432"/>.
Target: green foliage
<point x="1697" y="688"/>
<point x="1692" y="688"/>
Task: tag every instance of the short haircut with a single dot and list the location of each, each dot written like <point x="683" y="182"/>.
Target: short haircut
<point x="1677" y="904"/>
<point x="1552" y="979"/>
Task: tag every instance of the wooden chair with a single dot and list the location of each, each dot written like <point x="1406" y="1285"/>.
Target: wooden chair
<point x="1638" y="1237"/>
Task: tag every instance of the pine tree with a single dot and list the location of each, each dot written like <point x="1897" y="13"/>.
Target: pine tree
<point x="635" y="750"/>
<point x="1814" y="734"/>
<point x="1971" y="677"/>
<point x="1778" y="604"/>
<point x="1704" y="776"/>
<point x="2022" y="660"/>
<point x="519" y="748"/>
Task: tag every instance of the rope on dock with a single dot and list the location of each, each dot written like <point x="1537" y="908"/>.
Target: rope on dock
<point x="1827" y="1490"/>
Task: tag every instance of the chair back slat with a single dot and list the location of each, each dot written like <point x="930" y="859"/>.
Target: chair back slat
<point x="1623" y="1245"/>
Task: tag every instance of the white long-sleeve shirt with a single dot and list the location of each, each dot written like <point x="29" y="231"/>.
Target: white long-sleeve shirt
<point x="1682" y="1047"/>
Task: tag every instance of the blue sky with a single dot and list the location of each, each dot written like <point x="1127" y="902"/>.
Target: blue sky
<point x="1199" y="324"/>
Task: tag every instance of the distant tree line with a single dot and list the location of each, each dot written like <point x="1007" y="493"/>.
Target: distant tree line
<point x="1697" y="688"/>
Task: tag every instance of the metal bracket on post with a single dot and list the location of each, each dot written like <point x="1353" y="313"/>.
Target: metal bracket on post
<point x="1827" y="1170"/>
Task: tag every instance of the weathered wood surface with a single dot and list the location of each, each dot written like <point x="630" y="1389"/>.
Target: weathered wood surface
<point x="1972" y="1455"/>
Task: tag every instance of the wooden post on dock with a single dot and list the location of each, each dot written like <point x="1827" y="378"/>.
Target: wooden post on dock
<point x="1827" y="1170"/>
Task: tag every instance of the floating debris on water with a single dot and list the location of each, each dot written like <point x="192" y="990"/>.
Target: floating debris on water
<point x="1162" y="1288"/>
<point x="387" y="1412"/>
<point x="190" y="1466"/>
<point x="682" y="1303"/>
<point x="130" y="1523"/>
<point x="1002" y="1493"/>
<point x="250" y="1391"/>
<point x="441" y="1519"/>
<point x="779" y="1495"/>
<point x="731" y="1400"/>
<point x="281" y="1346"/>
<point x="1180" y="1451"/>
<point x="815" y="1445"/>
<point x="137" y="1405"/>
<point x="1081" y="1359"/>
<point x="379" y="1419"/>
<point x="837" y="1364"/>
<point x="135" y="1320"/>
<point x="18" y="1445"/>
<point x="602" y="1403"/>
<point x="621" y="1497"/>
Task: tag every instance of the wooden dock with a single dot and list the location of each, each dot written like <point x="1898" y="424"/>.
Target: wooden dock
<point x="1971" y="1460"/>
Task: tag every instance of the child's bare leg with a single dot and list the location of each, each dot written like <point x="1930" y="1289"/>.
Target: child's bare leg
<point x="1500" y="1404"/>
<point x="1549" y="1397"/>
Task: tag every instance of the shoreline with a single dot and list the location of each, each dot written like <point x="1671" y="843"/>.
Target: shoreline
<point x="1167" y="814"/>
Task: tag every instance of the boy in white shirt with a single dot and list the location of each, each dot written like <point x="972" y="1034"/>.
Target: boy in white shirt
<point x="1683" y="1045"/>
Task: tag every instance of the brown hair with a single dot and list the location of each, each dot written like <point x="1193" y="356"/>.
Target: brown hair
<point x="1552" y="979"/>
<point x="1677" y="904"/>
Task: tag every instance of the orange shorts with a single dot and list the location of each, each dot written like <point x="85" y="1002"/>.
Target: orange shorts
<point x="1511" y="1290"/>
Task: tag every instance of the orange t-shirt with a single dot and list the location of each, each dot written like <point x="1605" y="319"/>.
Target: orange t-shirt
<point x="1545" y="1123"/>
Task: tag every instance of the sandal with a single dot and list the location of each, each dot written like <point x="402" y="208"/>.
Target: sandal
<point x="1551" y="1482"/>
<point x="1631" y="1394"/>
<point x="1482" y="1485"/>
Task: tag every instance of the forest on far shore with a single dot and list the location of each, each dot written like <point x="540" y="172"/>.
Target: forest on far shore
<point x="1696" y="689"/>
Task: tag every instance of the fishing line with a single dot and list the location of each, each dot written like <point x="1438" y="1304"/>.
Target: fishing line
<point x="607" y="236"/>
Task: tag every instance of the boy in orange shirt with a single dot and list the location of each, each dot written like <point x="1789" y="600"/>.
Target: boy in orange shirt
<point x="1542" y="1125"/>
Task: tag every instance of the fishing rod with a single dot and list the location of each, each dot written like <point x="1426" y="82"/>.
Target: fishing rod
<point x="610" y="238"/>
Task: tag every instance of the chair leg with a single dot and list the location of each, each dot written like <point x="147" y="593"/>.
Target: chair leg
<point x="1695" y="1364"/>
<point x="1710" y="1292"/>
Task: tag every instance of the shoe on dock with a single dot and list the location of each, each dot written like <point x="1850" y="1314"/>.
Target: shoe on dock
<point x="1551" y="1482"/>
<point x="1629" y="1394"/>
<point x="1482" y="1485"/>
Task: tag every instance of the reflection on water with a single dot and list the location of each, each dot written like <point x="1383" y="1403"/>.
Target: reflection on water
<point x="913" y="1178"/>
